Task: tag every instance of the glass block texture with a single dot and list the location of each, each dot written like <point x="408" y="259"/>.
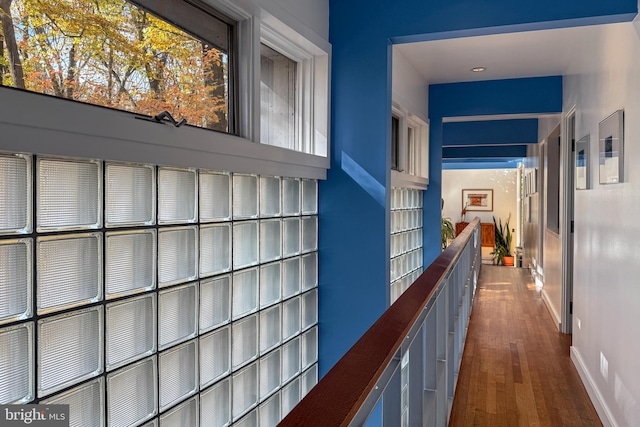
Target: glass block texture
<point x="164" y="296"/>
<point x="406" y="239"/>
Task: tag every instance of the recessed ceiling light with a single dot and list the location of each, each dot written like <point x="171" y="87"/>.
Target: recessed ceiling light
<point x="478" y="69"/>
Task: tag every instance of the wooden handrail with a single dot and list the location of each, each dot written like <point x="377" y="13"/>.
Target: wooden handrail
<point x="336" y="399"/>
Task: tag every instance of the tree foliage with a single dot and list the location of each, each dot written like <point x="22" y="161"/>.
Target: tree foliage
<point x="114" y="54"/>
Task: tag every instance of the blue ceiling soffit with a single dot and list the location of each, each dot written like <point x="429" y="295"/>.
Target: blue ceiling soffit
<point x="479" y="152"/>
<point x="490" y="132"/>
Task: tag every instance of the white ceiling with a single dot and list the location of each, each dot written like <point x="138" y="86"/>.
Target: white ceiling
<point x="512" y="55"/>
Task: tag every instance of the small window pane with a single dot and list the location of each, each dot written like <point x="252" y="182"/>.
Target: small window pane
<point x="270" y="328"/>
<point x="309" y="233"/>
<point x="290" y="236"/>
<point x="270" y="283"/>
<point x="177" y="256"/>
<point x="215" y="302"/>
<point x="215" y="405"/>
<point x="270" y="240"/>
<point x="215" y="249"/>
<point x="245" y="292"/>
<point x="130" y="195"/>
<point x="269" y="374"/>
<point x="131" y="330"/>
<point x="269" y="196"/>
<point x="132" y="393"/>
<point x="69" y="194"/>
<point x="309" y="196"/>
<point x="215" y="196"/>
<point x="245" y="390"/>
<point x="130" y="262"/>
<point x="15" y="186"/>
<point x="16" y="258"/>
<point x="245" y="341"/>
<point x="71" y="349"/>
<point x="215" y="356"/>
<point x="69" y="270"/>
<point x="245" y="244"/>
<point x="16" y="357"/>
<point x="290" y="196"/>
<point x="245" y="196"/>
<point x="278" y="87"/>
<point x="178" y="370"/>
<point x="177" y="196"/>
<point x="291" y="277"/>
<point x="182" y="415"/>
<point x="290" y="318"/>
<point x="177" y="315"/>
<point x="86" y="404"/>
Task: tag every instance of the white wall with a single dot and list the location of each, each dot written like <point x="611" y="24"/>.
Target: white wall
<point x="607" y="231"/>
<point x="409" y="88"/>
<point x="502" y="181"/>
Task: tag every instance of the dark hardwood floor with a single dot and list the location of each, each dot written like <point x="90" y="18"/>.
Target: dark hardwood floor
<point x="516" y="369"/>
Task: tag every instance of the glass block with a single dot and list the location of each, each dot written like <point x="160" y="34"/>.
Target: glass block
<point x="290" y="277"/>
<point x="290" y="359"/>
<point x="215" y="302"/>
<point x="215" y="196"/>
<point x="290" y="196"/>
<point x="244" y="338"/>
<point x="185" y="414"/>
<point x="215" y="356"/>
<point x="153" y="423"/>
<point x="290" y="236"/>
<point x="69" y="194"/>
<point x="290" y="396"/>
<point x="270" y="240"/>
<point x="177" y="320"/>
<point x="131" y="330"/>
<point x="270" y="328"/>
<point x="130" y="262"/>
<point x="130" y="195"/>
<point x="309" y="347"/>
<point x="309" y="309"/>
<point x="309" y="197"/>
<point x="245" y="293"/>
<point x="86" y="404"/>
<point x="16" y="190"/>
<point x="290" y="318"/>
<point x="71" y="349"/>
<point x="269" y="374"/>
<point x="177" y="255"/>
<point x="249" y="420"/>
<point x="16" y="279"/>
<point x="16" y="357"/>
<point x="245" y="390"/>
<point x="215" y="405"/>
<point x="177" y="196"/>
<point x="245" y="244"/>
<point x="309" y="271"/>
<point x="270" y="284"/>
<point x="178" y="374"/>
<point x="309" y="233"/>
<point x="245" y="196"/>
<point x="215" y="249"/>
<point x="308" y="380"/>
<point x="69" y="271"/>
<point x="269" y="196"/>
<point x="270" y="411"/>
<point x="132" y="393"/>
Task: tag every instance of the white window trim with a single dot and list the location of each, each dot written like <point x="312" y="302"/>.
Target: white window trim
<point x="401" y="177"/>
<point x="36" y="123"/>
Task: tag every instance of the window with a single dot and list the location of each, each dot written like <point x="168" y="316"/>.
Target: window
<point x="126" y="56"/>
<point x="409" y="149"/>
<point x="395" y="143"/>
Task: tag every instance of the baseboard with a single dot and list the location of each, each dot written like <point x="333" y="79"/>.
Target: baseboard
<point x="552" y="310"/>
<point x="592" y="390"/>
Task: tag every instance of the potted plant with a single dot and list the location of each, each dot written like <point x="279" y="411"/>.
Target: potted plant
<point x="502" y="251"/>
<point x="447" y="232"/>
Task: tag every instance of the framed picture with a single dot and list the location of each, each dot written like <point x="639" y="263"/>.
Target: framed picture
<point x="583" y="176"/>
<point x="611" y="139"/>
<point x="477" y="200"/>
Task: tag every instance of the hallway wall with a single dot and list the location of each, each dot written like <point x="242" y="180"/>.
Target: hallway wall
<point x="607" y="255"/>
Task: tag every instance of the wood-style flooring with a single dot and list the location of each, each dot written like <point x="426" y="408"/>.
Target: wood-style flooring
<point x="516" y="369"/>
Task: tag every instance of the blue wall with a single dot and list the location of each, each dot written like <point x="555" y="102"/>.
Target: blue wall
<point x="490" y="132"/>
<point x="354" y="200"/>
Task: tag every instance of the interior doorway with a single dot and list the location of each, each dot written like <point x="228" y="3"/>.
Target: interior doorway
<point x="568" y="221"/>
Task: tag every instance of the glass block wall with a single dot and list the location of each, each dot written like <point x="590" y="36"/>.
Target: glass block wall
<point x="406" y="239"/>
<point x="148" y="295"/>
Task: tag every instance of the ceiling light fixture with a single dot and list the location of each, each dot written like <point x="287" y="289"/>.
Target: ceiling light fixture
<point x="478" y="69"/>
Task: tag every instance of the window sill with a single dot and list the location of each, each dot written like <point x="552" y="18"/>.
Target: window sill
<point x="405" y="180"/>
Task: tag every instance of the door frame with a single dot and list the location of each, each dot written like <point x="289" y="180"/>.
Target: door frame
<point x="567" y="218"/>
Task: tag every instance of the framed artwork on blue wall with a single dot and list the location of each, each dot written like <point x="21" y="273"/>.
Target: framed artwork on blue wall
<point x="611" y="143"/>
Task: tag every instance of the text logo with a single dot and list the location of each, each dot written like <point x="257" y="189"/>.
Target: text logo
<point x="34" y="415"/>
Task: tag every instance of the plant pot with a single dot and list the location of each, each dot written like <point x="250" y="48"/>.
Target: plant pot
<point x="507" y="261"/>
